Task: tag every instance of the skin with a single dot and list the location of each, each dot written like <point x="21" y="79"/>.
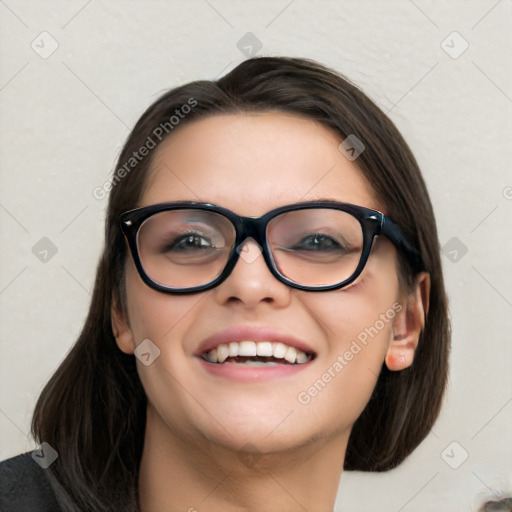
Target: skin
<point x="212" y="445"/>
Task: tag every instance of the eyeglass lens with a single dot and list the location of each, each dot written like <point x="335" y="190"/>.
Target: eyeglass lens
<point x="187" y="248"/>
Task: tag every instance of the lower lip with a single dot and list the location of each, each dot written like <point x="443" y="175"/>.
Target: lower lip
<point x="242" y="373"/>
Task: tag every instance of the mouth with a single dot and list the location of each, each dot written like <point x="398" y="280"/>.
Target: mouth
<point x="257" y="354"/>
<point x="254" y="352"/>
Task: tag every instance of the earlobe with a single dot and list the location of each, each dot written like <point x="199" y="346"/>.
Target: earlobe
<point x="120" y="328"/>
<point x="409" y="323"/>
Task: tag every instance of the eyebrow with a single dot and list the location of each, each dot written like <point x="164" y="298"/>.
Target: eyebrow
<point x="325" y="199"/>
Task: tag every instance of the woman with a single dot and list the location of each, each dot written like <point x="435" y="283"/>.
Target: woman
<point x="269" y="308"/>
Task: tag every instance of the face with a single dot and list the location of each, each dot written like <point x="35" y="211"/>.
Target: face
<point x="250" y="164"/>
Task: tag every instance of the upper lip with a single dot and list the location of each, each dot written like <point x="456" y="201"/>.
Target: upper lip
<point x="252" y="333"/>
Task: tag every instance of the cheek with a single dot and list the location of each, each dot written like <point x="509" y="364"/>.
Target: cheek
<point x="154" y="315"/>
<point x="362" y="312"/>
<point x="358" y="326"/>
<point x="365" y="311"/>
<point x="163" y="319"/>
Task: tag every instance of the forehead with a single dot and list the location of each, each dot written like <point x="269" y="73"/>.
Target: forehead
<point x="252" y="163"/>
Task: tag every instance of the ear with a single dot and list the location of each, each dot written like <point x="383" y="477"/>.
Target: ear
<point x="121" y="327"/>
<point x="409" y="322"/>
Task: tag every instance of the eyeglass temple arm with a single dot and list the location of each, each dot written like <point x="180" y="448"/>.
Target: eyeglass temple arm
<point x="398" y="237"/>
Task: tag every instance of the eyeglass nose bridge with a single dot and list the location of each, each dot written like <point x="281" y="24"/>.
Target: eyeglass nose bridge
<point x="247" y="229"/>
<point x="251" y="228"/>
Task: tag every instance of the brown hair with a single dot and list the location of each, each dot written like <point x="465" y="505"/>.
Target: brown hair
<point x="92" y="411"/>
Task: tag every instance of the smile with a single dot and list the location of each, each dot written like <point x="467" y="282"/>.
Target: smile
<point x="260" y="353"/>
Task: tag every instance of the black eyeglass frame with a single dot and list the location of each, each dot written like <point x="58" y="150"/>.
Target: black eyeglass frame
<point x="373" y="223"/>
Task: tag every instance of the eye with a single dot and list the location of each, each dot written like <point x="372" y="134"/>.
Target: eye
<point x="318" y="242"/>
<point x="190" y="242"/>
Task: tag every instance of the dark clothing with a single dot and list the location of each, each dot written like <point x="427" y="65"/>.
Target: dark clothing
<point x="24" y="486"/>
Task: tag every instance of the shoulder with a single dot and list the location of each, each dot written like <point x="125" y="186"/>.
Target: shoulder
<point x="24" y="486"/>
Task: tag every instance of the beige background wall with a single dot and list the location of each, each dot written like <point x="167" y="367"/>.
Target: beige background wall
<point x="74" y="77"/>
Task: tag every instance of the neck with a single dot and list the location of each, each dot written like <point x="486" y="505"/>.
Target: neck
<point x="181" y="475"/>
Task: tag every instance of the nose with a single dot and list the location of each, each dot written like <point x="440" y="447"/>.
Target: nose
<point x="251" y="282"/>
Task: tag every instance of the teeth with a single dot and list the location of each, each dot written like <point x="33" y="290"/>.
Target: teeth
<point x="254" y="349"/>
<point x="264" y="349"/>
<point x="247" y="348"/>
<point x="301" y="357"/>
<point x="291" y="355"/>
<point x="222" y="353"/>
<point x="280" y="350"/>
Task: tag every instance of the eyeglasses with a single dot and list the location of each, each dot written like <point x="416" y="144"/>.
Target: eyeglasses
<point x="188" y="247"/>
